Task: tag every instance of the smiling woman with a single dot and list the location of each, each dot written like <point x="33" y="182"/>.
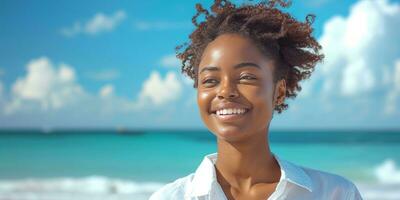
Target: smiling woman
<point x="245" y="62"/>
<point x="243" y="80"/>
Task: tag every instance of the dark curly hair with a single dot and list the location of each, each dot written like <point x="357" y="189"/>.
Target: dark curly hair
<point x="277" y="34"/>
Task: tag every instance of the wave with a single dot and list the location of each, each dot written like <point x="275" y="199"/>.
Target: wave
<point x="388" y="172"/>
<point x="93" y="187"/>
<point x="386" y="182"/>
<point x="379" y="191"/>
<point x="105" y="188"/>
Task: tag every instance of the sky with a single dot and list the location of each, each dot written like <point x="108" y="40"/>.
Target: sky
<point x="111" y="64"/>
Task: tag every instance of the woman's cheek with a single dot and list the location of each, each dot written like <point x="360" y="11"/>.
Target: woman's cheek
<point x="204" y="101"/>
<point x="262" y="100"/>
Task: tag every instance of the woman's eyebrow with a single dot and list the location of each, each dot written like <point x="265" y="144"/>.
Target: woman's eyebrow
<point x="240" y="65"/>
<point x="247" y="64"/>
<point x="209" y="68"/>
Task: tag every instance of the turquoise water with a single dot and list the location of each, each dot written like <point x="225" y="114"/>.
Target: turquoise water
<point x="139" y="155"/>
<point x="164" y="155"/>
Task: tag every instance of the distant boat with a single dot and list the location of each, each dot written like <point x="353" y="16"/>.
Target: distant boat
<point x="121" y="129"/>
<point x="125" y="131"/>
<point x="47" y="130"/>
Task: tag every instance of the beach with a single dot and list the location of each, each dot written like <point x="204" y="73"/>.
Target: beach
<point x="108" y="164"/>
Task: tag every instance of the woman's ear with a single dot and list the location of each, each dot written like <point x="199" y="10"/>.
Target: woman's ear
<point x="280" y="92"/>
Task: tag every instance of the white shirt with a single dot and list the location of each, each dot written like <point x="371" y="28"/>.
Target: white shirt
<point x="296" y="183"/>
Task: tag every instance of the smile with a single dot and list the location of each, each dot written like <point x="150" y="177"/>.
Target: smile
<point x="231" y="111"/>
<point x="230" y="114"/>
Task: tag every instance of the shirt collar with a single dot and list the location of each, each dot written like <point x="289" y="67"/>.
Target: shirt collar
<point x="294" y="173"/>
<point x="205" y="176"/>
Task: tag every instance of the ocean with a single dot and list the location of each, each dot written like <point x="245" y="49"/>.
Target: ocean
<point x="109" y="164"/>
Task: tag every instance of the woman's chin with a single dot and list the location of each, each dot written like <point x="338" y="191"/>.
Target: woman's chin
<point x="229" y="133"/>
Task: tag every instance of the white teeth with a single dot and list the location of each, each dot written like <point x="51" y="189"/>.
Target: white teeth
<point x="231" y="111"/>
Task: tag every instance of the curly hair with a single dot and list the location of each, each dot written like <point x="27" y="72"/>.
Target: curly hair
<point x="277" y="34"/>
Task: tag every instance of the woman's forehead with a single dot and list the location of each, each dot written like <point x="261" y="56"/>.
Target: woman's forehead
<point x="230" y="49"/>
<point x="227" y="44"/>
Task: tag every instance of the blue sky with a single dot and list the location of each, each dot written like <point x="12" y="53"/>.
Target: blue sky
<point x="105" y="64"/>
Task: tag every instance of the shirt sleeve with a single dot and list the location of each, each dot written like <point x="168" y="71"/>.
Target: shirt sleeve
<point x="354" y="194"/>
<point x="156" y="196"/>
<point x="164" y="193"/>
<point x="170" y="191"/>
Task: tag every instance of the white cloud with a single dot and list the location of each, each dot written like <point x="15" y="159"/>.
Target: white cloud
<point x="356" y="48"/>
<point x="49" y="95"/>
<point x="50" y="86"/>
<point x="357" y="78"/>
<point x="159" y="91"/>
<point x="396" y="75"/>
<point x="170" y="61"/>
<point x="107" y="91"/>
<point x="104" y="75"/>
<point x="394" y="94"/>
<point x="100" y="22"/>
<point x="47" y="87"/>
<point x="160" y="25"/>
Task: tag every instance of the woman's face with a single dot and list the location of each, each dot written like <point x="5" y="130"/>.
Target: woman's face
<point x="235" y="94"/>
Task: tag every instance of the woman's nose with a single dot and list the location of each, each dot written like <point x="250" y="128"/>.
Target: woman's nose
<point x="227" y="90"/>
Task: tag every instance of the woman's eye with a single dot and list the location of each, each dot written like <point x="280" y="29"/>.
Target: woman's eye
<point x="210" y="81"/>
<point x="247" y="77"/>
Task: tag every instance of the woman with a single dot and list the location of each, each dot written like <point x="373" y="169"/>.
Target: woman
<point x="245" y="61"/>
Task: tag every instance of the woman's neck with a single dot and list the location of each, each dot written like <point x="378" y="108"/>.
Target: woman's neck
<point x="241" y="165"/>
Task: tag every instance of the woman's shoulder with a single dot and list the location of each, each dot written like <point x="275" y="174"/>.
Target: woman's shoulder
<point x="173" y="190"/>
<point x="321" y="176"/>
<point x="327" y="182"/>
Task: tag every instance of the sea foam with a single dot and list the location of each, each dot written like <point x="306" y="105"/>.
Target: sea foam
<point x="104" y="188"/>
<point x="386" y="185"/>
<point x="379" y="191"/>
<point x="387" y="172"/>
<point x="93" y="187"/>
